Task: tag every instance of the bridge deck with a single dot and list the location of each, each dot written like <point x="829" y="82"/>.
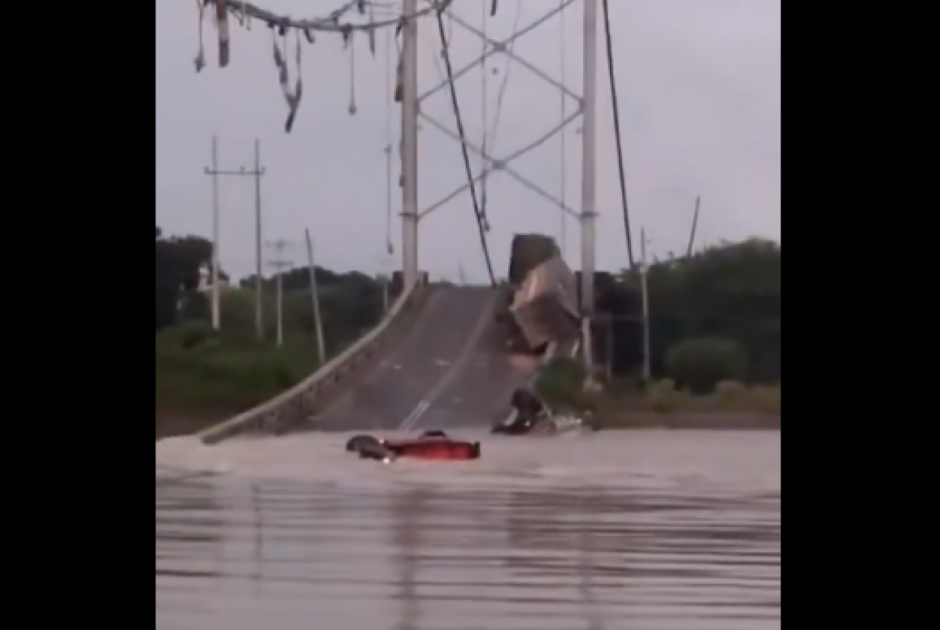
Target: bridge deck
<point x="451" y="370"/>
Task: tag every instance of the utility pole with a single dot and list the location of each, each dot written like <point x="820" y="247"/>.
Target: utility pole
<point x="588" y="157"/>
<point x="384" y="279"/>
<point x="409" y="144"/>
<point x="317" y="322"/>
<point x="698" y="205"/>
<point x="386" y="271"/>
<point x="279" y="263"/>
<point x="644" y="269"/>
<point x="215" y="172"/>
<point x="259" y="251"/>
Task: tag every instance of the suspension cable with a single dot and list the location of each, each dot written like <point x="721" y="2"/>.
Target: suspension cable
<point x="389" y="147"/>
<point x="441" y="75"/>
<point x="501" y="95"/>
<point x="484" y="66"/>
<point x="563" y="134"/>
<point x="445" y="44"/>
<point x="616" y="108"/>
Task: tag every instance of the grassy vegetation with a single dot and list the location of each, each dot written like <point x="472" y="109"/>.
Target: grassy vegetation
<point x="619" y="403"/>
<point x="203" y="377"/>
<point x="200" y="372"/>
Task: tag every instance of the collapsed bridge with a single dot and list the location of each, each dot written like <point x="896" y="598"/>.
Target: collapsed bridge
<point x="445" y="356"/>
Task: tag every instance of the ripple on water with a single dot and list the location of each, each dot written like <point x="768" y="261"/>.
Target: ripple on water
<point x="642" y="531"/>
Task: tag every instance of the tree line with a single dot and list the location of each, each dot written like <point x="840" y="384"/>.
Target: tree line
<point x="722" y="303"/>
<point x="718" y="310"/>
<point x="179" y="261"/>
<point x="349" y="301"/>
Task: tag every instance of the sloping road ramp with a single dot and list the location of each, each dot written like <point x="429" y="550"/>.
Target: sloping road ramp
<point x="451" y="370"/>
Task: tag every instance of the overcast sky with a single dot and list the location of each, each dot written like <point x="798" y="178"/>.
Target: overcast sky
<point x="699" y="83"/>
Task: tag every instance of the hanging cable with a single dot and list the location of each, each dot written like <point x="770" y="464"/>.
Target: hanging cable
<point x="563" y="134"/>
<point x="484" y="67"/>
<point x="353" y="16"/>
<point x="442" y="77"/>
<point x="445" y="45"/>
<point x="389" y="91"/>
<point x="501" y="95"/>
<point x="613" y="98"/>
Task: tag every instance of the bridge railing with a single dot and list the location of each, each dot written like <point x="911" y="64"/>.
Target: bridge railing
<point x="301" y="401"/>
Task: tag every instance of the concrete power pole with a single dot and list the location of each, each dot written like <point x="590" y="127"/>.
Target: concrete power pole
<point x="317" y="322"/>
<point x="279" y="264"/>
<point x="259" y="250"/>
<point x="409" y="144"/>
<point x="588" y="158"/>
<point x="257" y="173"/>
<point x="214" y="172"/>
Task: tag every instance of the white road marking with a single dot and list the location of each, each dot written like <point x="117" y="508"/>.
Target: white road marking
<point x="453" y="370"/>
<point x="414" y="416"/>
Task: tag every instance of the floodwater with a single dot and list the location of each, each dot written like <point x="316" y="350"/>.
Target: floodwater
<point x="657" y="530"/>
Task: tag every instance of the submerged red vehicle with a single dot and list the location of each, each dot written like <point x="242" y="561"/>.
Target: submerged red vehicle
<point x="433" y="445"/>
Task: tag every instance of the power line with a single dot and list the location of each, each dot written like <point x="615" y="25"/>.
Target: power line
<point x="257" y="172"/>
<point x="505" y="47"/>
<point x="501" y="94"/>
<point x="484" y="110"/>
<point x="616" y="108"/>
<point x="455" y="102"/>
<point x="489" y="135"/>
<point x="389" y="91"/>
<point x="336" y="22"/>
<point x="563" y="136"/>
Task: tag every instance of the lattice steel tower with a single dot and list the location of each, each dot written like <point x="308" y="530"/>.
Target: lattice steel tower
<point x="585" y="111"/>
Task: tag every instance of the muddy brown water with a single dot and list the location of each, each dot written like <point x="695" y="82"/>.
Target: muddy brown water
<point x="645" y="530"/>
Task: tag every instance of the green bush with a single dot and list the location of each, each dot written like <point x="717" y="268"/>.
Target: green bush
<point x="766" y="399"/>
<point x="730" y="393"/>
<point x="663" y="396"/>
<point x="200" y="370"/>
<point x="701" y="363"/>
<point x="215" y="376"/>
<point x="561" y="382"/>
<point x="209" y="374"/>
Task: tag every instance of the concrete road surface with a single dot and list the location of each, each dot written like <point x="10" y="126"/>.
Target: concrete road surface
<point x="451" y="370"/>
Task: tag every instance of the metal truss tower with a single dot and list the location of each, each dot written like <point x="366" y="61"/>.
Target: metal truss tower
<point x="585" y="112"/>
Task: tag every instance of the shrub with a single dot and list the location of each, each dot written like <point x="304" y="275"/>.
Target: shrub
<point x="766" y="399"/>
<point x="701" y="363"/>
<point x="561" y="382"/>
<point x="730" y="392"/>
<point x="662" y="395"/>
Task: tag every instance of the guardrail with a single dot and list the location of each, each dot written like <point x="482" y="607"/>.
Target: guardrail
<point x="298" y="403"/>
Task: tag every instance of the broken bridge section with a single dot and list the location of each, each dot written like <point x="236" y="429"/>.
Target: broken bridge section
<point x="451" y="370"/>
<point x="542" y="307"/>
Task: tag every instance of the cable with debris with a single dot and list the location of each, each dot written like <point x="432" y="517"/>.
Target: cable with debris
<point x="616" y="108"/>
<point x="371" y="17"/>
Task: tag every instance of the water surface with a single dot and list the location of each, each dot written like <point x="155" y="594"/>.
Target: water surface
<point x="635" y="530"/>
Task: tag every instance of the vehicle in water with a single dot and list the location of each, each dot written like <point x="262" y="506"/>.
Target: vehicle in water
<point x="432" y="445"/>
<point x="531" y="415"/>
